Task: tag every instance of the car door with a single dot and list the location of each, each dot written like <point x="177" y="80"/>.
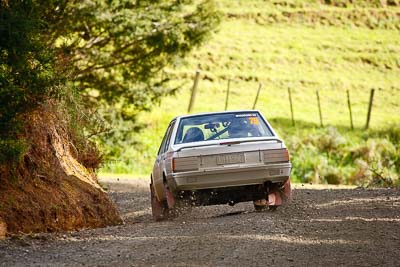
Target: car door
<point x="159" y="163"/>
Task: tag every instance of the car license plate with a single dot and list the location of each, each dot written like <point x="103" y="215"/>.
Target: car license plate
<point x="230" y="159"/>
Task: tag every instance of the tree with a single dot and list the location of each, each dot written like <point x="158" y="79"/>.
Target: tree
<point x="111" y="52"/>
<point x="119" y="49"/>
<point x="28" y="72"/>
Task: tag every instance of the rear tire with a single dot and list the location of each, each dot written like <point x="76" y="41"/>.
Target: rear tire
<point x="259" y="208"/>
<point x="260" y="205"/>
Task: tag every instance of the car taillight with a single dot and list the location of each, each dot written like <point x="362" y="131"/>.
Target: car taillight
<point x="173" y="164"/>
<point x="185" y="164"/>
<point x="276" y="155"/>
<point x="287" y="154"/>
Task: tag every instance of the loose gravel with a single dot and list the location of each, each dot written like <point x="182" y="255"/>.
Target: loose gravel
<point x="330" y="227"/>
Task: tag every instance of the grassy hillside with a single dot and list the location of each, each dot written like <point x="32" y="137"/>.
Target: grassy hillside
<point x="329" y="46"/>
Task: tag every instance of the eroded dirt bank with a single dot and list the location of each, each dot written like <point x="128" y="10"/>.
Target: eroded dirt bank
<point x="320" y="228"/>
<point x="53" y="186"/>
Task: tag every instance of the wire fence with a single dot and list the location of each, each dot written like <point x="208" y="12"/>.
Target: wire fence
<point x="358" y="108"/>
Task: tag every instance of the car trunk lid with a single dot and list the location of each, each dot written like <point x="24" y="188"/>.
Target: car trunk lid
<point x="229" y="154"/>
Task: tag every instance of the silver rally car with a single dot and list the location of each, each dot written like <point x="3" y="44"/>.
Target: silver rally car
<point x="220" y="158"/>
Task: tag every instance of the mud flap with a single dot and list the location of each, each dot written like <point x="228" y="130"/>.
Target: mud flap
<point x="170" y="197"/>
<point x="274" y="199"/>
<point x="287" y="190"/>
<point x="278" y="197"/>
<point x="156" y="208"/>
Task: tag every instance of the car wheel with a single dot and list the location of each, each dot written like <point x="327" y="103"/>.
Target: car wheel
<point x="260" y="205"/>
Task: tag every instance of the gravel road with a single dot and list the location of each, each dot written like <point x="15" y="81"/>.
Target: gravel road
<point x="351" y="227"/>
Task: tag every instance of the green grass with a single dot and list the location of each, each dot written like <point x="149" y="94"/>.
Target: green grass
<point x="328" y="57"/>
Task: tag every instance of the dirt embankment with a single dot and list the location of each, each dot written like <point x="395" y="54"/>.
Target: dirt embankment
<point x="50" y="189"/>
<point x="330" y="227"/>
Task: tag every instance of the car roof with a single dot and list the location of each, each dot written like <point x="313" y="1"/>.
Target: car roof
<point x="214" y="113"/>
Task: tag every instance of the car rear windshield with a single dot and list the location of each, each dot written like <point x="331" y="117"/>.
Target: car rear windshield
<point x="221" y="126"/>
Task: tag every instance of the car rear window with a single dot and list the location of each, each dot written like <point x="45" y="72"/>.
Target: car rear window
<point x="221" y="126"/>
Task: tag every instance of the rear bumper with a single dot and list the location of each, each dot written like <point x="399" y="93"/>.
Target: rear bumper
<point x="230" y="175"/>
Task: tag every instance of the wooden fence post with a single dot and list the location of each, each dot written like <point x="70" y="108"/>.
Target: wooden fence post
<point x="194" y="90"/>
<point x="319" y="108"/>
<point x="291" y="105"/>
<point x="227" y="94"/>
<point x="351" y="114"/>
<point x="371" y="99"/>
<point x="258" y="93"/>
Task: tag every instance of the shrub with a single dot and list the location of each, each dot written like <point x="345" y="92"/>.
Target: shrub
<point x="363" y="158"/>
<point x="11" y="150"/>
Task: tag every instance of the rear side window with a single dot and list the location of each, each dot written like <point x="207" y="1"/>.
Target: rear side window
<point x="166" y="140"/>
<point x="221" y="126"/>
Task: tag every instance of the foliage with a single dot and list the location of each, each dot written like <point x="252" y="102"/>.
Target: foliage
<point x="119" y="50"/>
<point x="28" y="74"/>
<point x="360" y="158"/>
<point x="91" y="54"/>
